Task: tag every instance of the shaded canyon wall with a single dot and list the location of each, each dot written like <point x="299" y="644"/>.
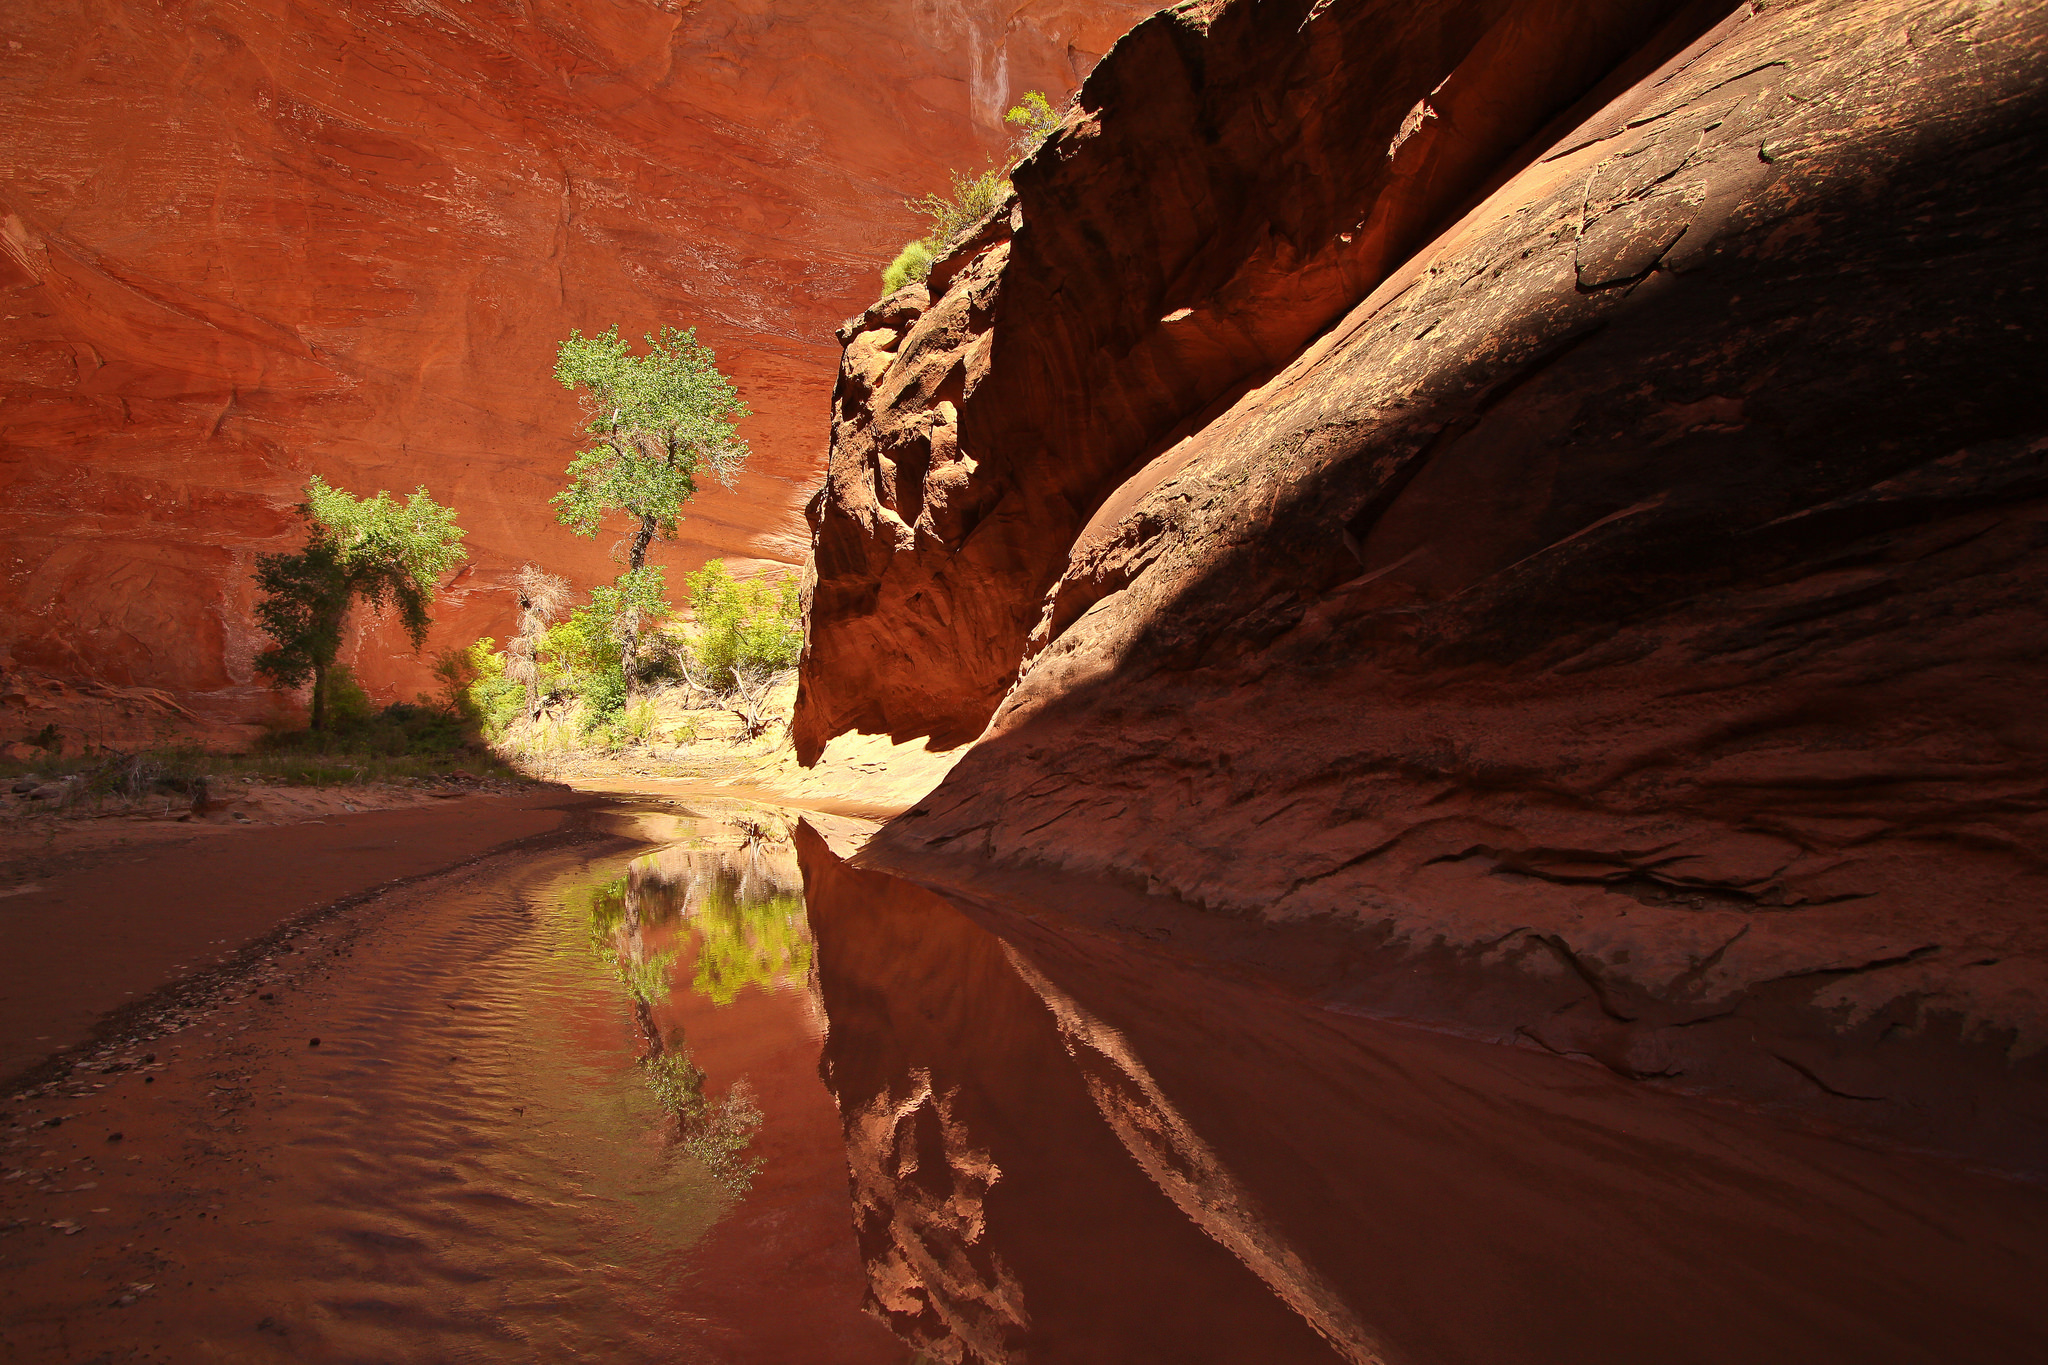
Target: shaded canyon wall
<point x="1502" y="516"/>
<point x="244" y="242"/>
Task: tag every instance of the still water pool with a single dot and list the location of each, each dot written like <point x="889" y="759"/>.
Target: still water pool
<point x="720" y="1096"/>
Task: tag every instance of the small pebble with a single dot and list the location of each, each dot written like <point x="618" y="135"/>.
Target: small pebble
<point x="314" y="1043"/>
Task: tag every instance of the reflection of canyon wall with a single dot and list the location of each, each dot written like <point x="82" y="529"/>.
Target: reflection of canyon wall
<point x="1069" y="1150"/>
<point x="240" y="244"/>
<point x="1603" y="562"/>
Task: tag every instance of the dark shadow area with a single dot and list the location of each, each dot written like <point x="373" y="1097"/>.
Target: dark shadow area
<point x="1071" y="1148"/>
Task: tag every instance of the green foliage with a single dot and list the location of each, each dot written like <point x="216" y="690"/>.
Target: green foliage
<point x="754" y="628"/>
<point x="604" y="700"/>
<point x="400" y="730"/>
<point x="347" y="703"/>
<point x="663" y="417"/>
<point x="578" y="647"/>
<point x="304" y="601"/>
<point x="636" y="598"/>
<point x="636" y="723"/>
<point x="1036" y="119"/>
<point x="375" y="549"/>
<point x="418" y="538"/>
<point x="758" y="941"/>
<point x="912" y="265"/>
<point x="972" y="198"/>
<point x="476" y="687"/>
<point x="586" y="653"/>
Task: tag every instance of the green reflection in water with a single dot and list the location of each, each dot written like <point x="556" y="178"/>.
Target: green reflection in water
<point x="718" y="1132"/>
<point x="748" y="937"/>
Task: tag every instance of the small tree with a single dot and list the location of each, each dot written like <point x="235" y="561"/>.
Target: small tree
<point x="661" y="418"/>
<point x="382" y="551"/>
<point x="1036" y="121"/>
<point x="542" y="596"/>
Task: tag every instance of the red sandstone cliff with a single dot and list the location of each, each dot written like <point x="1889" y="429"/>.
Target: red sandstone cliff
<point x="243" y="242"/>
<point x="1573" y="574"/>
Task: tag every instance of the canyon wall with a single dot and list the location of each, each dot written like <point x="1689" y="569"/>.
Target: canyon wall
<point x="245" y="242"/>
<point x="1503" y="516"/>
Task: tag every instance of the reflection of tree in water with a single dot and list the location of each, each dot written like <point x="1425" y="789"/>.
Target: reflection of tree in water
<point x="717" y="1132"/>
<point x="750" y="934"/>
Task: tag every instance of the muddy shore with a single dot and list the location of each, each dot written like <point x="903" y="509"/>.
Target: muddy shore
<point x="94" y="921"/>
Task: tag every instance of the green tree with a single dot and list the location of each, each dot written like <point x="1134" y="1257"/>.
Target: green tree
<point x="661" y="419"/>
<point x="744" y="630"/>
<point x="376" y="550"/>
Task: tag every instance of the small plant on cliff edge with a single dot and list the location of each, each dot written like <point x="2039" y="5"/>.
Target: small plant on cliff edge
<point x="974" y="197"/>
<point x="385" y="552"/>
<point x="661" y="419"/>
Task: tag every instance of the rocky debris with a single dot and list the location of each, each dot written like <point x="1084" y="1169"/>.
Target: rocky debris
<point x="1616" y="634"/>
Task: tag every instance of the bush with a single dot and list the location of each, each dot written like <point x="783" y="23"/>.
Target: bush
<point x="754" y="628"/>
<point x="347" y="702"/>
<point x="604" y="698"/>
<point x="1036" y="121"/>
<point x="402" y="729"/>
<point x="476" y="687"/>
<point x="912" y="264"/>
<point x="973" y="197"/>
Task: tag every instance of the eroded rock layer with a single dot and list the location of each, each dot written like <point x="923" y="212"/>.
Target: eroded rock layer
<point x="242" y="242"/>
<point x="1620" y="633"/>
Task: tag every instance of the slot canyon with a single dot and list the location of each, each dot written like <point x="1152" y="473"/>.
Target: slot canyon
<point x="1385" y="715"/>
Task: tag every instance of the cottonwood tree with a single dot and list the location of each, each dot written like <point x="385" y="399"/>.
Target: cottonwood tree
<point x="661" y="420"/>
<point x="376" y="550"/>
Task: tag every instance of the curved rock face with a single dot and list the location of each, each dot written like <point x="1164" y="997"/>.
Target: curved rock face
<point x="1211" y="205"/>
<point x="1620" y="633"/>
<point x="241" y="244"/>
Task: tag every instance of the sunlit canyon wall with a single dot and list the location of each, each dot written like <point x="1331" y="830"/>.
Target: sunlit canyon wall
<point x="246" y="241"/>
<point x="1525" y="516"/>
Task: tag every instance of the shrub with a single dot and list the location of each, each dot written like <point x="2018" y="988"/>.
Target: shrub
<point x="1036" y="119"/>
<point x="912" y="264"/>
<point x="753" y="628"/>
<point x="604" y="697"/>
<point x="476" y="686"/>
<point x="973" y="197"/>
<point x="347" y="702"/>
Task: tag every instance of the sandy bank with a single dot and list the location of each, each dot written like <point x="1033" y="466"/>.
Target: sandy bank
<point x="96" y="915"/>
